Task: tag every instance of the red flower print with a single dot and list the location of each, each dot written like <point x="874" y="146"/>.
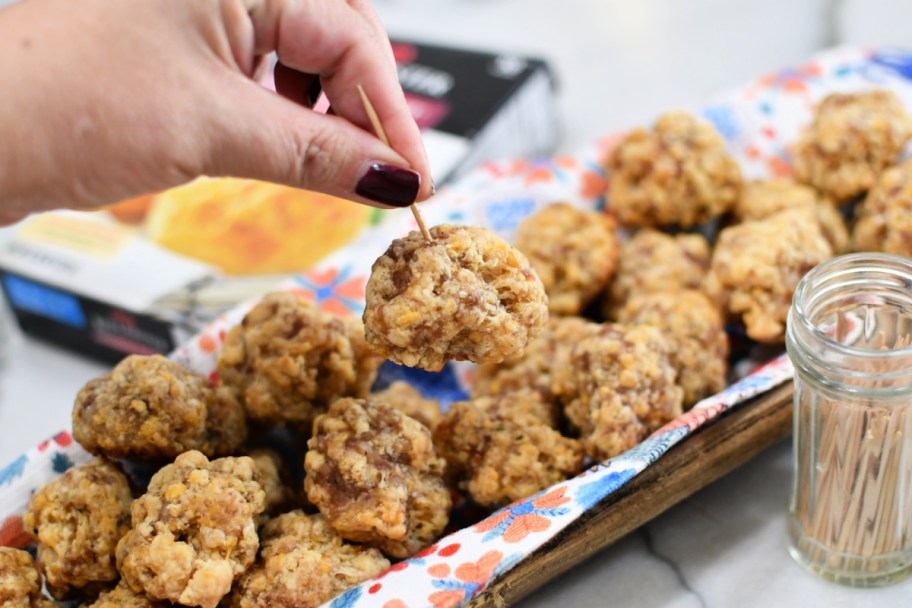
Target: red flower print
<point x="693" y="419"/>
<point x="531" y="171"/>
<point x="63" y="439"/>
<point x="393" y="568"/>
<point x="425" y="552"/>
<point x="449" y="550"/>
<point x="13" y="533"/>
<point x="789" y="81"/>
<point x="207" y="344"/>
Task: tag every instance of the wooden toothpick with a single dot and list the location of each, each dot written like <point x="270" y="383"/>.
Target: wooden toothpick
<point x="381" y="134"/>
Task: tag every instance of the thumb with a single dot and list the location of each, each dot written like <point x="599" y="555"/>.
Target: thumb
<point x="260" y="135"/>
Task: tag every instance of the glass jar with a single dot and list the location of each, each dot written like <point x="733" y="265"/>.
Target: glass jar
<point x="848" y="336"/>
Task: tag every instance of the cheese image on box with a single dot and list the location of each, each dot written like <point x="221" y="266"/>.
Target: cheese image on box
<point x="247" y="227"/>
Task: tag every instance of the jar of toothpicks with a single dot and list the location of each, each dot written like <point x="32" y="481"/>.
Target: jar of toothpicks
<point x="849" y="332"/>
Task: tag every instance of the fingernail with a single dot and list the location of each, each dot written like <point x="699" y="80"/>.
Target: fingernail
<point x="390" y="185"/>
<point x="314" y="92"/>
<point x="433" y="187"/>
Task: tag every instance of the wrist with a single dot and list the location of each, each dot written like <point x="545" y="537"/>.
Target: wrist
<point x="30" y="173"/>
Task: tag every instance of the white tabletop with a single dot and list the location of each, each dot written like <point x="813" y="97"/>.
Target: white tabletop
<point x="619" y="63"/>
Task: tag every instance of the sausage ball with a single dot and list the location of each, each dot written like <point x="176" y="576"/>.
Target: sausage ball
<point x="303" y="563"/>
<point x="194" y="530"/>
<point x="374" y="475"/>
<point x="695" y="331"/>
<point x="676" y="174"/>
<point x="288" y="361"/>
<point x="149" y="407"/>
<point x="20" y="581"/>
<point x="756" y="267"/>
<point x="78" y="519"/>
<point x="502" y="449"/>
<point x="763" y="198"/>
<point x="623" y="387"/>
<point x="883" y="222"/>
<point x="653" y="261"/>
<point x="466" y="295"/>
<point x="574" y="252"/>
<point x="853" y="138"/>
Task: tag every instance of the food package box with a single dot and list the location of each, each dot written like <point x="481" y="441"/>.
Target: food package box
<point x="145" y="275"/>
<point x="759" y="122"/>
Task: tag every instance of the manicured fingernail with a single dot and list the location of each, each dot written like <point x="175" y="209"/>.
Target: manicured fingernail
<point x="314" y="92"/>
<point x="390" y="185"/>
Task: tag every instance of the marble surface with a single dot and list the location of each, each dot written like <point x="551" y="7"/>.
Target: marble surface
<point x="619" y="63"/>
<point x="725" y="546"/>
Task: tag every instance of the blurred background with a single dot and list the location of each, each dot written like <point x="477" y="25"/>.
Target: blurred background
<point x="620" y="62"/>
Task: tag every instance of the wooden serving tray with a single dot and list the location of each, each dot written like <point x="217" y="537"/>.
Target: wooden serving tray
<point x="708" y="454"/>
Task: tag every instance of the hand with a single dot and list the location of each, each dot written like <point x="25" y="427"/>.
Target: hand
<point x="107" y="99"/>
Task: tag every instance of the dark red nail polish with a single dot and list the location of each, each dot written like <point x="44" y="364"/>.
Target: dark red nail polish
<point x="314" y="92"/>
<point x="390" y="185"/>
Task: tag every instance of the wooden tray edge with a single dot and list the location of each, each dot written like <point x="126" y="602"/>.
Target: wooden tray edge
<point x="700" y="459"/>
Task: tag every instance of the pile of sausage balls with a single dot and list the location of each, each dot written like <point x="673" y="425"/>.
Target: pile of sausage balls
<point x="593" y="330"/>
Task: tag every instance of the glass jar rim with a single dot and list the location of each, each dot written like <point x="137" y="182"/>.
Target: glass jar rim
<point x="854" y="262"/>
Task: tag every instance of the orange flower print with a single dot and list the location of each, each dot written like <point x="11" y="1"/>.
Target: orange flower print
<point x="334" y="290"/>
<point x="593" y="185"/>
<point x="447" y="599"/>
<point x="778" y="167"/>
<point x="538" y="174"/>
<point x="480" y="571"/>
<point x="13" y="533"/>
<point x="470" y="578"/>
<point x="519" y="520"/>
<point x="790" y="81"/>
<point x="543" y="170"/>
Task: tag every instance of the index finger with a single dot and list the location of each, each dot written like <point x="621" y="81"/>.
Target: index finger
<point x="346" y="48"/>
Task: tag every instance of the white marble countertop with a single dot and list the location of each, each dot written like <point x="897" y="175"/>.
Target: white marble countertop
<point x="619" y="63"/>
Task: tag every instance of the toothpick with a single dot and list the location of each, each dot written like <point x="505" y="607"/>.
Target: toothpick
<point x="381" y="134"/>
